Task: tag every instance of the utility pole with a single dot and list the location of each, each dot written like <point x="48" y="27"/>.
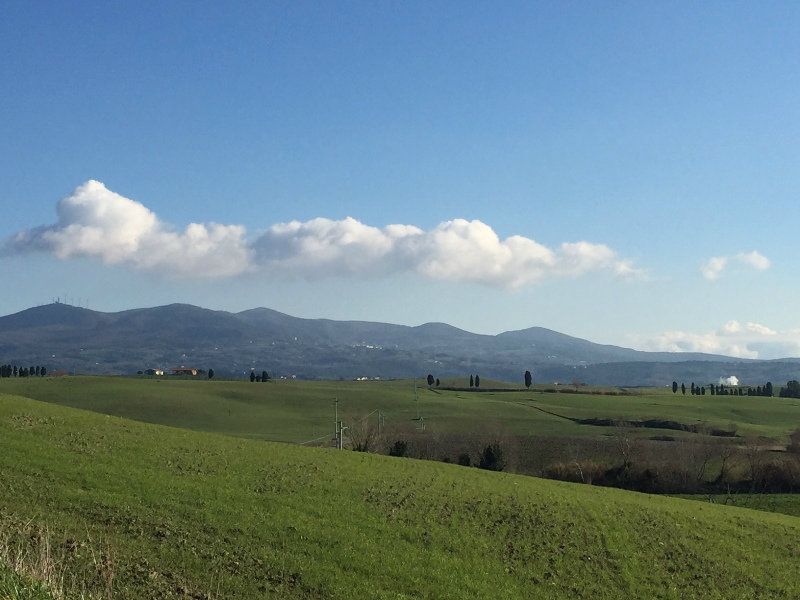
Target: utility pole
<point x="336" y="421"/>
<point x="416" y="398"/>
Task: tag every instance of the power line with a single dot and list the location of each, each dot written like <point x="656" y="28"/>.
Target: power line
<point x="322" y="437"/>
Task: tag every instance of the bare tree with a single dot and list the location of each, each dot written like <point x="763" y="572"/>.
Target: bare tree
<point x="365" y="434"/>
<point x="756" y="461"/>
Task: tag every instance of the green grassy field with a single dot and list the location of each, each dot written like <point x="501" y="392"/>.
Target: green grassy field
<point x="154" y="511"/>
<point x="16" y="587"/>
<point x="298" y="411"/>
<point x="787" y="504"/>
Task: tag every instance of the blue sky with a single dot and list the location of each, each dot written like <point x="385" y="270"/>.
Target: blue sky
<point x="666" y="134"/>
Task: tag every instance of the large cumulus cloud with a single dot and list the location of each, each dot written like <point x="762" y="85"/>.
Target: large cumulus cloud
<point x="97" y="223"/>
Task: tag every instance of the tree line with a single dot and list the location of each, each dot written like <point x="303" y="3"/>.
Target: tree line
<point x="792" y="390"/>
<point x="766" y="390"/>
<point x="475" y="380"/>
<point x="15" y="371"/>
<point x="264" y="377"/>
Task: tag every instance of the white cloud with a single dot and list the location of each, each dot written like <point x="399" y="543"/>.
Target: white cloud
<point x="751" y="340"/>
<point x="457" y="250"/>
<point x="97" y="223"/>
<point x="760" y="329"/>
<point x="713" y="268"/>
<point x="754" y="259"/>
<point x="732" y="380"/>
<point x="730" y="328"/>
<point x="326" y="247"/>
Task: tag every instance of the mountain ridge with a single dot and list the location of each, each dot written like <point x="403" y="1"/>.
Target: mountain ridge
<point x="124" y="342"/>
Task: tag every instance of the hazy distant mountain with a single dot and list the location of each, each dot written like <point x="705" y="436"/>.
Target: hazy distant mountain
<point x="66" y="337"/>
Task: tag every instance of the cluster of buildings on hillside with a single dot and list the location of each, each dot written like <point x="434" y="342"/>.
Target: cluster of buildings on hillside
<point x="176" y="371"/>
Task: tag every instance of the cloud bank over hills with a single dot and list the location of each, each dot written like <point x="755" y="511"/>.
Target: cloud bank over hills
<point x="741" y="340"/>
<point x="98" y="223"/>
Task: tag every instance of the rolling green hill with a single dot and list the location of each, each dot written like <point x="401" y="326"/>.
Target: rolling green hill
<point x="152" y="511"/>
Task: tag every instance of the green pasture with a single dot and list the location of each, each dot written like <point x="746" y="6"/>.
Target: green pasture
<point x="147" y="511"/>
<point x="299" y="411"/>
<point x="787" y="504"/>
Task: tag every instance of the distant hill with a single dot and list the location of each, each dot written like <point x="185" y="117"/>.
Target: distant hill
<point x="67" y="337"/>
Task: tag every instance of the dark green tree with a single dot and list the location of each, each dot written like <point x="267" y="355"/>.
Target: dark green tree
<point x="683" y="389"/>
<point x="399" y="448"/>
<point x="211" y="373"/>
<point x="792" y="389"/>
<point x="437" y="382"/>
<point x="252" y="376"/>
<point x="264" y="376"/>
<point x="674" y="387"/>
<point x="692" y="388"/>
<point x="477" y="381"/>
<point x="44" y="371"/>
<point x="471" y="381"/>
<point x="492" y="458"/>
<point x="768" y="389"/>
<point x="430" y="380"/>
<point x="528" y="379"/>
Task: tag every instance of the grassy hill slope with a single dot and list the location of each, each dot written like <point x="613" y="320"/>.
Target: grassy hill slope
<point x="159" y="512"/>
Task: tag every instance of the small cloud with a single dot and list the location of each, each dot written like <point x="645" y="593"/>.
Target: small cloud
<point x="760" y="329"/>
<point x="754" y="259"/>
<point x="731" y="327"/>
<point x="713" y="268"/>
<point x="732" y="380"/>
